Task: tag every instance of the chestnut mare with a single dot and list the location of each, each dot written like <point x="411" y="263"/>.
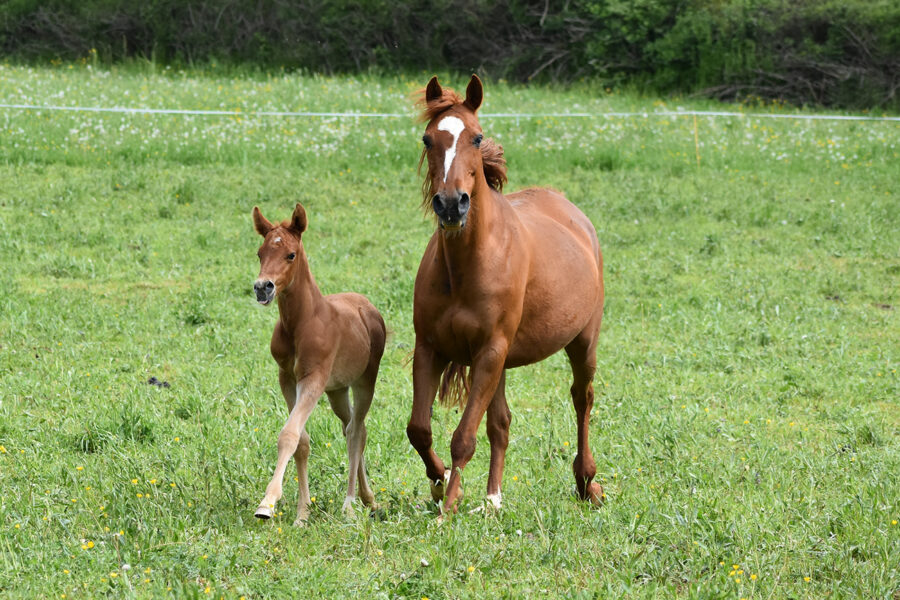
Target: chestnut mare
<point x="505" y="281"/>
<point x="322" y="344"/>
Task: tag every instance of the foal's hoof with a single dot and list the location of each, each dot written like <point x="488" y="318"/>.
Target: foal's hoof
<point x="348" y="508"/>
<point x="265" y="511"/>
<point x="438" y="487"/>
<point x="595" y="494"/>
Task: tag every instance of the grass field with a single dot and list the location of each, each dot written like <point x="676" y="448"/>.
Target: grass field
<point x="747" y="427"/>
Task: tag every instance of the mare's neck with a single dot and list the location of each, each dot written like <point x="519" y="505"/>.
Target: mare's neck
<point x="482" y="242"/>
<point x="298" y="302"/>
<point x="483" y="226"/>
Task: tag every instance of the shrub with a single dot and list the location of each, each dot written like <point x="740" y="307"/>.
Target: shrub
<point x="830" y="52"/>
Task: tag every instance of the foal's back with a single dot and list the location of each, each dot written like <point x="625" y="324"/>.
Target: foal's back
<point x="359" y="335"/>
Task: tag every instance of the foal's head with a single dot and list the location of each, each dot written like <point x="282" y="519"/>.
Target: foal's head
<point x="458" y="154"/>
<point x="280" y="254"/>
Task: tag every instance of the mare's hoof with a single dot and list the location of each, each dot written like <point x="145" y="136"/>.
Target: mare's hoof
<point x="595" y="494"/>
<point x="438" y="487"/>
<point x="264" y="512"/>
<point x="298" y="522"/>
<point x="492" y="505"/>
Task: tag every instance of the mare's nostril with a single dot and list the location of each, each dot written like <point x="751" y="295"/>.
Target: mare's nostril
<point x="463" y="204"/>
<point x="270" y="286"/>
<point x="437" y="203"/>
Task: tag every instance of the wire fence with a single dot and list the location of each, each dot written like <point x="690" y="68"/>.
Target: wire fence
<point x="377" y="115"/>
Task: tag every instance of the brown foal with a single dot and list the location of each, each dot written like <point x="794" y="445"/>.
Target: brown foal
<point x="322" y="344"/>
<point x="505" y="281"/>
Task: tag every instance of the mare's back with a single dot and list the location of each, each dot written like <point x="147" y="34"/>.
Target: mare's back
<point x="548" y="214"/>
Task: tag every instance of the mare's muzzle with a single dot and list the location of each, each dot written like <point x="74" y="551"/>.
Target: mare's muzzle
<point x="265" y="291"/>
<point x="451" y="209"/>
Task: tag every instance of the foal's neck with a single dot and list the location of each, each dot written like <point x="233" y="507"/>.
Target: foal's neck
<point x="298" y="302"/>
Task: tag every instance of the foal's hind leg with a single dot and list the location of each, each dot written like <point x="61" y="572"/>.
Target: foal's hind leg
<point x="356" y="439"/>
<point x="582" y="352"/>
<point x="340" y="404"/>
<point x="498" y="420"/>
<point x="353" y="420"/>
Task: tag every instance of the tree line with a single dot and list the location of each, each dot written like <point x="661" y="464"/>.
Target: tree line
<point x="841" y="53"/>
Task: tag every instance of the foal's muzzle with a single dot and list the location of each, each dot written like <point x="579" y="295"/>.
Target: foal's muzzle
<point x="265" y="291"/>
<point x="451" y="209"/>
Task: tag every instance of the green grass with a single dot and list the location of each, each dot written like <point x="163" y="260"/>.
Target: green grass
<point x="747" y="410"/>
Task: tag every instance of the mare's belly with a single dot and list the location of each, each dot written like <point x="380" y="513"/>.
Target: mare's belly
<point x="459" y="334"/>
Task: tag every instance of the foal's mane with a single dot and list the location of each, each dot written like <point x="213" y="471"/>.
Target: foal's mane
<point x="493" y="162"/>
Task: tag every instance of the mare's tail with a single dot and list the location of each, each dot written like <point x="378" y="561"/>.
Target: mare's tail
<point x="454" y="390"/>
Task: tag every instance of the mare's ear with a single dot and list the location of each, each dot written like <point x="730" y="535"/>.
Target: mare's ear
<point x="260" y="223"/>
<point x="474" y="93"/>
<point x="298" y="219"/>
<point x="433" y="90"/>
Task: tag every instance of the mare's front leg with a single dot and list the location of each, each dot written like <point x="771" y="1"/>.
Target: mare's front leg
<point x="292" y="440"/>
<point x="487" y="371"/>
<point x="498" y="420"/>
<point x="427" y="368"/>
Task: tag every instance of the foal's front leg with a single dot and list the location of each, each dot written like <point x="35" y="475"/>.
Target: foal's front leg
<point x="289" y="440"/>
<point x="301" y="456"/>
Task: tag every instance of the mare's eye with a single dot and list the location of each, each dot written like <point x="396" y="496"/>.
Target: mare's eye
<point x="426" y="139"/>
<point x="292" y="256"/>
<point x="477" y="140"/>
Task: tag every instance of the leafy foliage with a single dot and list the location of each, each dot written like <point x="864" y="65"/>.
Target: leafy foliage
<point x="832" y="52"/>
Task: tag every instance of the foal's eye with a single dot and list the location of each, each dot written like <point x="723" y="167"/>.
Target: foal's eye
<point x="477" y="140"/>
<point x="426" y="139"/>
<point x="292" y="256"/>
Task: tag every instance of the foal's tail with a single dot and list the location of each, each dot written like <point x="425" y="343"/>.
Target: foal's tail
<point x="454" y="390"/>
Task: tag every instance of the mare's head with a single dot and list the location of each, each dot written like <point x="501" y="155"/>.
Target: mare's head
<point x="459" y="157"/>
<point x="280" y="254"/>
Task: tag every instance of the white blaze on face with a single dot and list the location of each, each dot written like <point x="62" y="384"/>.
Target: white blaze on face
<point x="454" y="126"/>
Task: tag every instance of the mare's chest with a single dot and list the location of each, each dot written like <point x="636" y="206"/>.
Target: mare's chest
<point x="458" y="323"/>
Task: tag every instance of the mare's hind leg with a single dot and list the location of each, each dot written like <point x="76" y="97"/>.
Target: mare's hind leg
<point x="498" y="420"/>
<point x="582" y="352"/>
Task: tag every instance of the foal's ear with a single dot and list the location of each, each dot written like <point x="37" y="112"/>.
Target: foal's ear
<point x="298" y="219"/>
<point x="433" y="91"/>
<point x="260" y="223"/>
<point x="474" y="93"/>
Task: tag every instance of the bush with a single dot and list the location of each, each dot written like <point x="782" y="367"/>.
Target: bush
<point x="829" y="52"/>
